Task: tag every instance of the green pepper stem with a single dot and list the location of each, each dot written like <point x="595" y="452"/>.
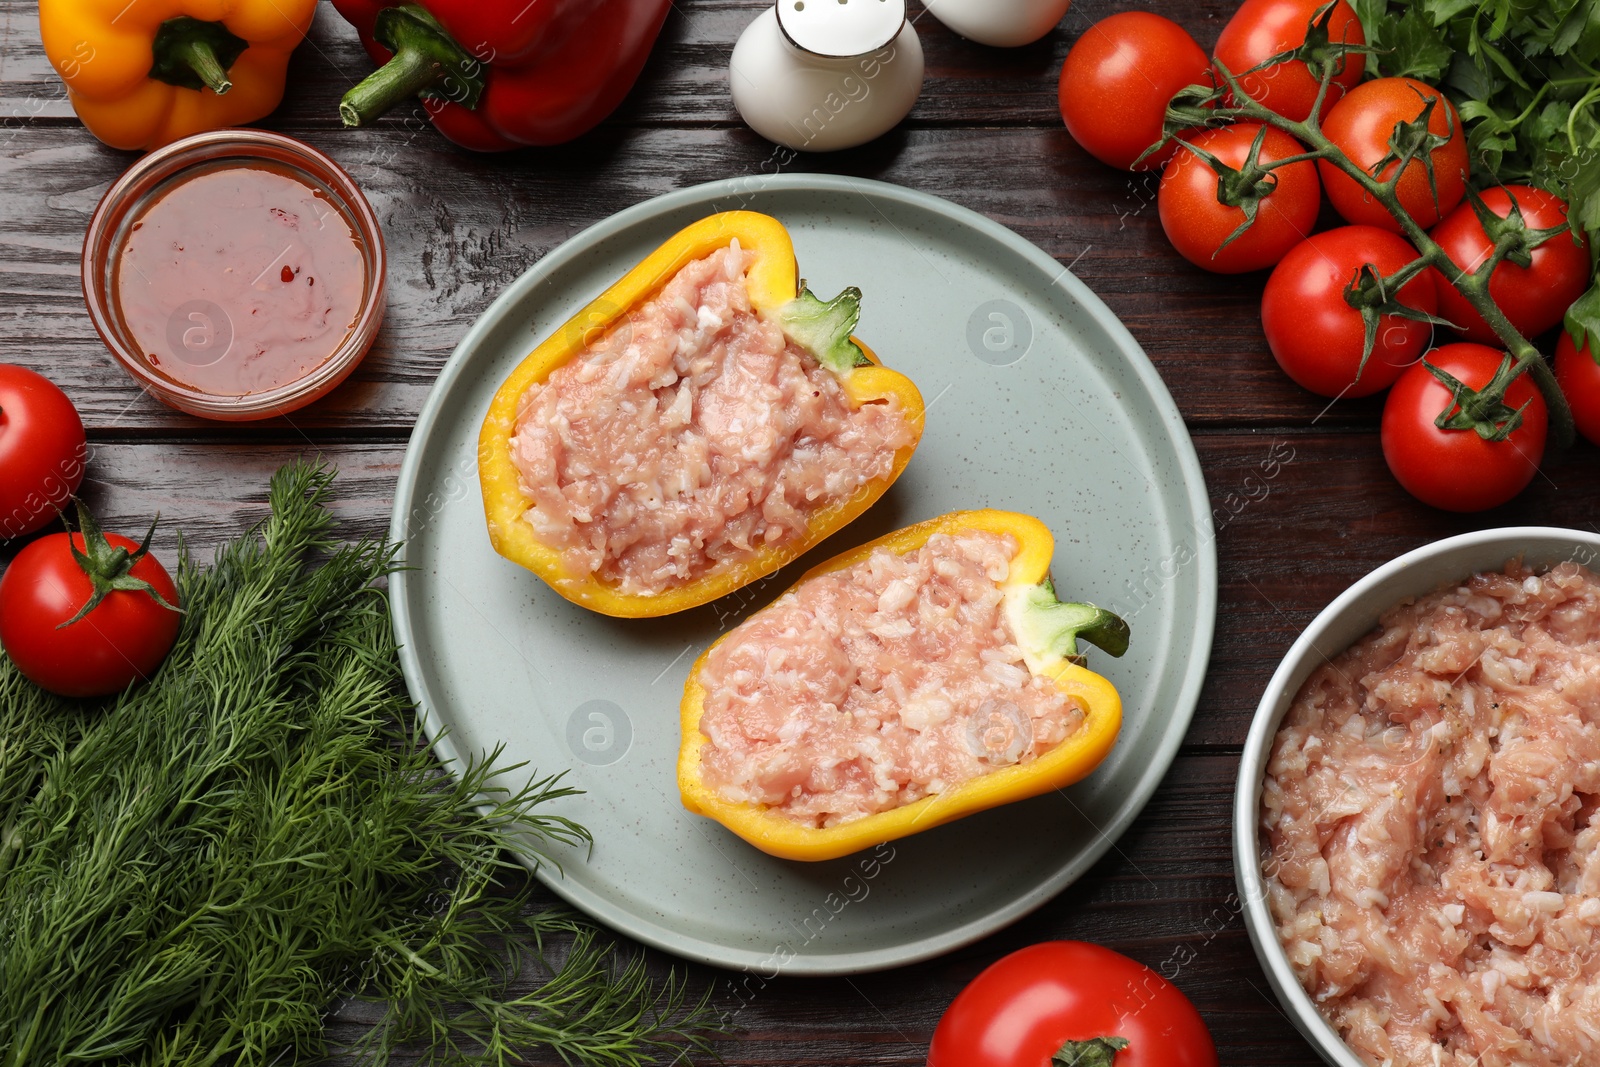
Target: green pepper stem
<point x="193" y="54"/>
<point x="823" y="328"/>
<point x="426" y="60"/>
<point x="198" y="57"/>
<point x="1047" y="627"/>
<point x="405" y="75"/>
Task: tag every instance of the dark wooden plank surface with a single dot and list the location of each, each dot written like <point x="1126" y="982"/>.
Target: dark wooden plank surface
<point x="985" y="134"/>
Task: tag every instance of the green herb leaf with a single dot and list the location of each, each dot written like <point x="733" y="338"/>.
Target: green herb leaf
<point x="201" y="869"/>
<point x="1583" y="320"/>
<point x="1371" y="13"/>
<point x="1582" y="173"/>
<point x="1569" y="31"/>
<point x="1416" y="49"/>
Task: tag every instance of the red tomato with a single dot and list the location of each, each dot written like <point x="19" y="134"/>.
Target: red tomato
<point x="1535" y="297"/>
<point x="124" y="637"/>
<point x="1022" y="1010"/>
<point x="1361" y="125"/>
<point x="1314" y="333"/>
<point x="1197" y="223"/>
<point x="1117" y="81"/>
<point x="1261" y="29"/>
<point x="1579" y="377"/>
<point x="42" y="450"/>
<point x="1456" y="469"/>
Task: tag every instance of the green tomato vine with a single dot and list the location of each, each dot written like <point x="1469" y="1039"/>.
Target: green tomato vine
<point x="1483" y="410"/>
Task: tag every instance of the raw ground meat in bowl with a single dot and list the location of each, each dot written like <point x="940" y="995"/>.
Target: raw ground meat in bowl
<point x="1412" y="834"/>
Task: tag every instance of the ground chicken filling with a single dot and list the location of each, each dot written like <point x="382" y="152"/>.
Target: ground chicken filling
<point x="1432" y="808"/>
<point x="690" y="436"/>
<point x="875" y="686"/>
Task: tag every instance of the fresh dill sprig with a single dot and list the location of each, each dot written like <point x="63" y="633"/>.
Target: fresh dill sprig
<point x="198" y="871"/>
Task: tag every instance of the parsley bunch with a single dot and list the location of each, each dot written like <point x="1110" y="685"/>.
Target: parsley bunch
<point x="200" y="870"/>
<point x="1525" y="76"/>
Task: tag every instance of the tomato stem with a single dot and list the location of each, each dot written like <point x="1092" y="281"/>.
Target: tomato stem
<point x="1376" y="296"/>
<point x="1244" y="188"/>
<point x="1095" y="1052"/>
<point x="1480" y="410"/>
<point x="1190" y="109"/>
<point x="108" y="567"/>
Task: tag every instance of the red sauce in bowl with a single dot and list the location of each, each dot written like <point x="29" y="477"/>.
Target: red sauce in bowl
<point x="235" y="274"/>
<point x="239" y="280"/>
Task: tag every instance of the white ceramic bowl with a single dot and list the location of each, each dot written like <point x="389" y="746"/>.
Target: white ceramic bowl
<point x="1353" y="614"/>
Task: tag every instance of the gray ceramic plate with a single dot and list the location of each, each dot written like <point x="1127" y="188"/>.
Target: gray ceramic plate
<point x="1039" y="401"/>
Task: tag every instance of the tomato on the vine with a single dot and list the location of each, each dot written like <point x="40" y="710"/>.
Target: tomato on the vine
<point x="1534" y="297"/>
<point x="1578" y="374"/>
<point x="1457" y="470"/>
<point x="1197" y="222"/>
<point x="42" y="450"/>
<point x="1117" y="80"/>
<point x="85" y="614"/>
<point x="1261" y="29"/>
<point x="1316" y="335"/>
<point x="1361" y="125"/>
<point x="1074" y="1000"/>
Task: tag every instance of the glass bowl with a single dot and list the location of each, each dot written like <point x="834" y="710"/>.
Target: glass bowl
<point x="160" y="172"/>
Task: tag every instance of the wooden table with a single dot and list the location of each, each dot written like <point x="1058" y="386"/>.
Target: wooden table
<point x="986" y="134"/>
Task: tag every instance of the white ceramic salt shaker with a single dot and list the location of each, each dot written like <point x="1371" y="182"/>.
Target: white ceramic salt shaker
<point x="1002" y="23"/>
<point x="820" y="75"/>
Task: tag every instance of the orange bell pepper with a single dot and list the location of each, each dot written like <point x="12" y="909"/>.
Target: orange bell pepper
<point x="1046" y="630"/>
<point x="144" y="73"/>
<point x="777" y="294"/>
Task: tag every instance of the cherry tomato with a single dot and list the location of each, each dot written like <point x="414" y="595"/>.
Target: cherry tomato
<point x="124" y="637"/>
<point x="1361" y="125"/>
<point x="42" y="450"/>
<point x="1261" y="29"/>
<point x="1535" y="297"/>
<point x="1579" y="377"/>
<point x="1457" y="470"/>
<point x="1024" y="1009"/>
<point x="1117" y="81"/>
<point x="1314" y="333"/>
<point x="1197" y="223"/>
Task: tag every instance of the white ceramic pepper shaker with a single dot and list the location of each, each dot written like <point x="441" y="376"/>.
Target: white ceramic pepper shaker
<point x="1002" y="23"/>
<point x="820" y="75"/>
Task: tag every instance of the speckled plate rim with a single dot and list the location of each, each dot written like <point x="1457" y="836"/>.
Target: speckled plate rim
<point x="1199" y="504"/>
<point x="1351" y="614"/>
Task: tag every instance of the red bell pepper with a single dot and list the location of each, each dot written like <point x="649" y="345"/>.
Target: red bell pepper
<point x="498" y="74"/>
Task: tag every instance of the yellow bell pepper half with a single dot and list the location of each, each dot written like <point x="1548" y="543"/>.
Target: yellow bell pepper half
<point x="1047" y="632"/>
<point x="776" y="293"/>
<point x="143" y="73"/>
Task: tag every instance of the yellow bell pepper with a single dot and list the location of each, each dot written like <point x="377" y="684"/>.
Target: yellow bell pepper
<point x="142" y="73"/>
<point x="1047" y="631"/>
<point x="777" y="294"/>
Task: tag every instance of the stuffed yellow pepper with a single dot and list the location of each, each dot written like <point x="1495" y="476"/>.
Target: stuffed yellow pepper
<point x="917" y="679"/>
<point x="703" y="422"/>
